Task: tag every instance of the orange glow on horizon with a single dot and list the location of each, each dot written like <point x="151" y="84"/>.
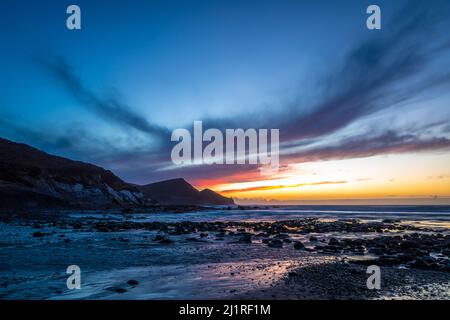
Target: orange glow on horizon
<point x="382" y="177"/>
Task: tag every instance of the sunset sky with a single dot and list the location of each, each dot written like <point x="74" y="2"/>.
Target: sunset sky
<point x="364" y="115"/>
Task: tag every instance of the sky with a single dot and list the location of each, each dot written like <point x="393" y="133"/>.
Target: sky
<point x="364" y="115"/>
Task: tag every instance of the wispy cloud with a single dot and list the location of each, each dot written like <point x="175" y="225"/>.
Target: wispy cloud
<point x="110" y="109"/>
<point x="363" y="146"/>
<point x="382" y="71"/>
<point x="267" y="187"/>
<point x="385" y="70"/>
<point x="75" y="141"/>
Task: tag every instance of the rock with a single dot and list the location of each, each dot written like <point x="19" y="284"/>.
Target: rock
<point x="158" y="237"/>
<point x="332" y="249"/>
<point x="408" y="244"/>
<point x="366" y="262"/>
<point x="298" y="245"/>
<point x="133" y="282"/>
<point x="77" y="226"/>
<point x="390" y="220"/>
<point x="333" y="242"/>
<point x="405" y="257"/>
<point x="429" y="259"/>
<point x="39" y="234"/>
<point x="165" y="241"/>
<point x="419" y="263"/>
<point x="275" y="243"/>
<point x="444" y="266"/>
<point x="203" y="235"/>
<point x="416" y="252"/>
<point x="376" y="251"/>
<point x="313" y="239"/>
<point x="117" y="289"/>
<point x="446" y="252"/>
<point x="245" y="238"/>
<point x="193" y="239"/>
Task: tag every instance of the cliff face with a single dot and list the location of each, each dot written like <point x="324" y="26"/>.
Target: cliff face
<point x="32" y="178"/>
<point x="179" y="191"/>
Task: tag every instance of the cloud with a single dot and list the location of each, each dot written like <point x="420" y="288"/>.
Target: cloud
<point x="110" y="109"/>
<point x="387" y="69"/>
<point x="75" y="142"/>
<point x="265" y="188"/>
<point x="362" y="146"/>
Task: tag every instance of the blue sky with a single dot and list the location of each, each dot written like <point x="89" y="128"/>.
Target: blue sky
<point x="196" y="57"/>
<point x="139" y="69"/>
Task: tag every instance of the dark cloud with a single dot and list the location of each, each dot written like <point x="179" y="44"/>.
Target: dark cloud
<point x="74" y="142"/>
<point x="386" y="69"/>
<point x="139" y="167"/>
<point x="362" y="146"/>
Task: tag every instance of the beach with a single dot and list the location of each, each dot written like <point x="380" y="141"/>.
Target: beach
<point x="228" y="253"/>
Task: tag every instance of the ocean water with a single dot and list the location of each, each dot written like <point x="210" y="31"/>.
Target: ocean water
<point x="435" y="215"/>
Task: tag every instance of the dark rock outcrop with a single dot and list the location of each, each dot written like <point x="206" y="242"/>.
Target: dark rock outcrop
<point x="30" y="178"/>
<point x="210" y="197"/>
<point x="180" y="192"/>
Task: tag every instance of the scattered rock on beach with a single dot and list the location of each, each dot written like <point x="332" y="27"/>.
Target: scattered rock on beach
<point x="193" y="239"/>
<point x="245" y="238"/>
<point x="298" y="245"/>
<point x="133" y="282"/>
<point x="275" y="243"/>
<point x="158" y="237"/>
<point x="116" y="289"/>
<point x="103" y="229"/>
<point x="39" y="234"/>
<point x="333" y="242"/>
<point x="165" y="241"/>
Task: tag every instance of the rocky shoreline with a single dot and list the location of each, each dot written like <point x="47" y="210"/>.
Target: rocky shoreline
<point x="340" y="280"/>
<point x="404" y="251"/>
<point x="421" y="248"/>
